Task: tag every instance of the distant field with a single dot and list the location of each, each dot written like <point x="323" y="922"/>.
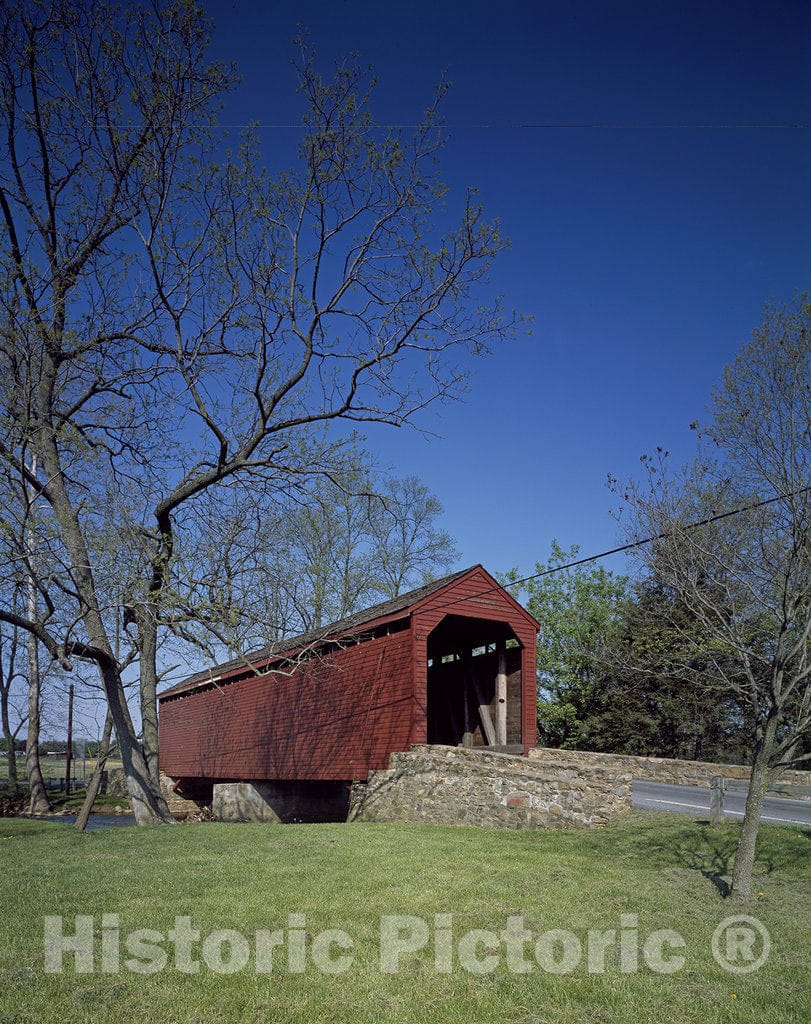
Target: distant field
<point x="54" y="767"/>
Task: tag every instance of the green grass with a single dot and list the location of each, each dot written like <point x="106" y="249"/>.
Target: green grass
<point x="665" y="869"/>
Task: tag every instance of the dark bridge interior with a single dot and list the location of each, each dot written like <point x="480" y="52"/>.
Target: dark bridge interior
<point x="474" y="685"/>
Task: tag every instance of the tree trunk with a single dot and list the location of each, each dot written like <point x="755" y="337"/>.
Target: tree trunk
<point x="38" y="794"/>
<point x="758" y="783"/>
<point x="11" y="752"/>
<point x="148" y="642"/>
<point x="148" y="803"/>
<point x="94" y="784"/>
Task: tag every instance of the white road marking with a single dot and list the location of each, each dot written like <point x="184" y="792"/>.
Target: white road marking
<point x="739" y="814"/>
<point x="676" y="803"/>
<point x="766" y="817"/>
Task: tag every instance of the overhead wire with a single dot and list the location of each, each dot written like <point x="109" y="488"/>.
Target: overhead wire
<point x="636" y="544"/>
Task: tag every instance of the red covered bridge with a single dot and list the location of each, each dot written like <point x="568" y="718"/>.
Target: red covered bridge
<point x="452" y="662"/>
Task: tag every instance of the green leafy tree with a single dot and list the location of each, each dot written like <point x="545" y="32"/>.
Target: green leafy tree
<point x="652" y="698"/>
<point x="626" y="668"/>
<point x="579" y="611"/>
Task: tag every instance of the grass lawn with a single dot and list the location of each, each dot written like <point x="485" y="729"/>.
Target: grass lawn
<point x="249" y="877"/>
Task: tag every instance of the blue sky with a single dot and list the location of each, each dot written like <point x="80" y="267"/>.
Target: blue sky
<point x="649" y="224"/>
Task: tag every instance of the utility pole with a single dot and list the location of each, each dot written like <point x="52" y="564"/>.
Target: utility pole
<point x="69" y="755"/>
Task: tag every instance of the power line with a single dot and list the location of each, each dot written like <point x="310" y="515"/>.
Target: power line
<point x="638" y="543"/>
<point x="516" y="126"/>
<point x="716" y="517"/>
<point x="330" y="635"/>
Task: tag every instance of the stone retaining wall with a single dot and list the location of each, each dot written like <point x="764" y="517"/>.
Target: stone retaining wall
<point x="667" y="769"/>
<point x="456" y="786"/>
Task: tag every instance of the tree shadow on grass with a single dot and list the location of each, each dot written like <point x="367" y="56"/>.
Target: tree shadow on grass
<point x="660" y="841"/>
<point x="714" y="857"/>
<point x="711" y="851"/>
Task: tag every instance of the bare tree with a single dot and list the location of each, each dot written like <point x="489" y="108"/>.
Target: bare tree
<point x="19" y="527"/>
<point x="746" y="578"/>
<point x="359" y="538"/>
<point x="178" y="325"/>
<point x="328" y="548"/>
<point x="270" y="570"/>
<point x="409" y="549"/>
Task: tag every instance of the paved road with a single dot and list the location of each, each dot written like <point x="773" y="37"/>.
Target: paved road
<point x="659" y="796"/>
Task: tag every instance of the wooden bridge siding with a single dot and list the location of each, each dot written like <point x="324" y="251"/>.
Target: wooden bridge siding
<point x="336" y="717"/>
